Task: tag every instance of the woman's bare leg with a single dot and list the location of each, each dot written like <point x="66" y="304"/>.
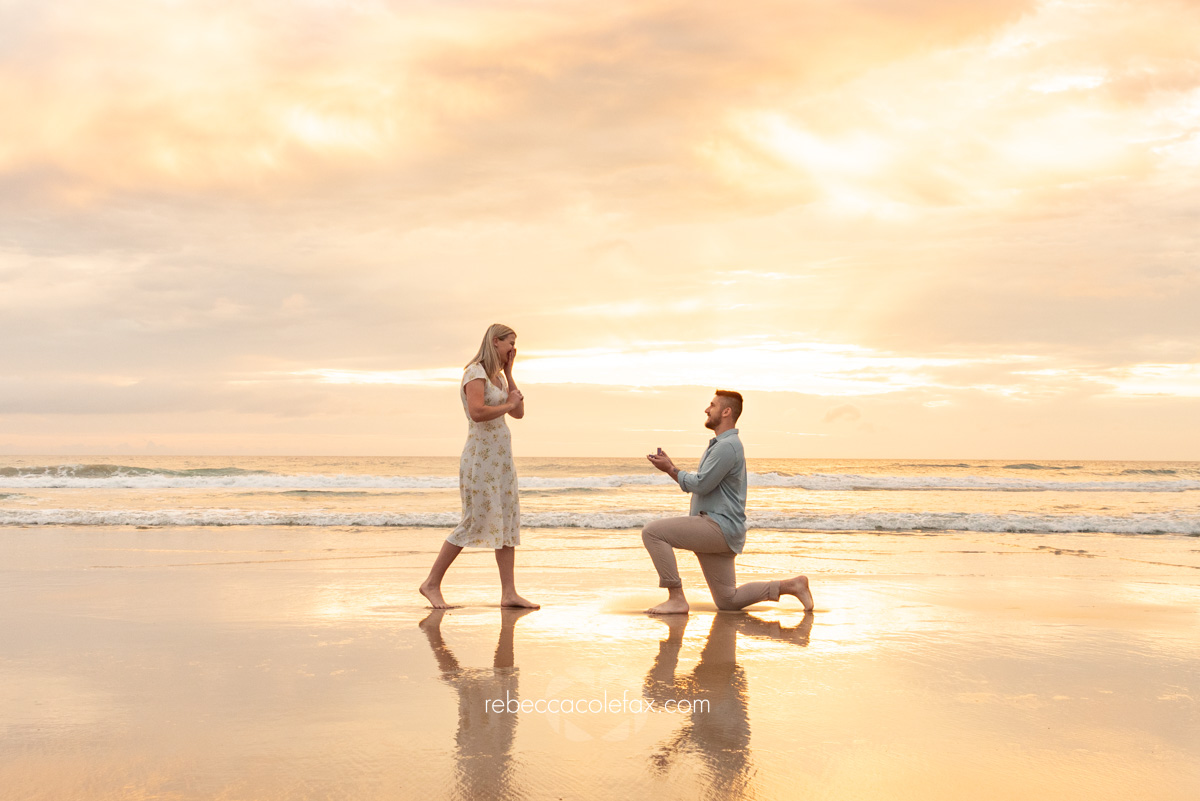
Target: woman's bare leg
<point x="432" y="586"/>
<point x="506" y="560"/>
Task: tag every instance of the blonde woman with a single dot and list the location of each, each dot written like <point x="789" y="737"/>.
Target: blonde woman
<point x="487" y="480"/>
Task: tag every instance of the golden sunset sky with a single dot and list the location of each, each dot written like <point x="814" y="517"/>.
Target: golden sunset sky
<point x="903" y="228"/>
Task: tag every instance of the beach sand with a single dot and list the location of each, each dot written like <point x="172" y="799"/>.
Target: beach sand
<point x="290" y="663"/>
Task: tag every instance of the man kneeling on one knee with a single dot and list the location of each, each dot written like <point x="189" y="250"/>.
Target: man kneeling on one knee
<point x="715" y="528"/>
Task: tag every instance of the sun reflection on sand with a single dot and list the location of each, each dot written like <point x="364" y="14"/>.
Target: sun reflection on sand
<point x="940" y="668"/>
<point x="714" y="732"/>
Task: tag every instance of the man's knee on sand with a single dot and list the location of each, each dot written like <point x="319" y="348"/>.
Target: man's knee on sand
<point x="725" y="602"/>
<point x="722" y="595"/>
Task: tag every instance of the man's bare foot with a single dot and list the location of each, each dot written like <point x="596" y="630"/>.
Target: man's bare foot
<point x="676" y="626"/>
<point x="671" y="606"/>
<point x="515" y="601"/>
<point x="433" y="594"/>
<point x="798" y="587"/>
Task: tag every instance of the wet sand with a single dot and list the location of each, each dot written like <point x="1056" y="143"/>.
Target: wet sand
<point x="286" y="663"/>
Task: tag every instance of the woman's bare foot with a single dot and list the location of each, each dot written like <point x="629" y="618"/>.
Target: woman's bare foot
<point x="432" y="621"/>
<point x="433" y="594"/>
<point x="514" y="601"/>
<point x="798" y="587"/>
<point x="511" y="614"/>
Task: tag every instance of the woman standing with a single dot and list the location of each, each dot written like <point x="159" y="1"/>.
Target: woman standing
<point x="487" y="480"/>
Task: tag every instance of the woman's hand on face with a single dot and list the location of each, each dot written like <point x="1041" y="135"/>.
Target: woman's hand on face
<point x="508" y="362"/>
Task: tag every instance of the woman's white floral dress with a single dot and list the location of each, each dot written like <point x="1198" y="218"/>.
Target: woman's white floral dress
<point x="487" y="480"/>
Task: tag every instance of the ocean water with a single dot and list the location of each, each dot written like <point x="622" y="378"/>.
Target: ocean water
<point x="1136" y="498"/>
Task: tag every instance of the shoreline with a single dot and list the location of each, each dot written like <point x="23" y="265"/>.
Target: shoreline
<point x="296" y="663"/>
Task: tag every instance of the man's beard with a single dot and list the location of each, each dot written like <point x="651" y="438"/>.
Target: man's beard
<point x="710" y="423"/>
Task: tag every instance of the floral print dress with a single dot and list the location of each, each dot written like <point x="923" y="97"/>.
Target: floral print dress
<point x="487" y="480"/>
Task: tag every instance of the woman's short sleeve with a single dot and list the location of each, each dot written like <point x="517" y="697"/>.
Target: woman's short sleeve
<point x="474" y="371"/>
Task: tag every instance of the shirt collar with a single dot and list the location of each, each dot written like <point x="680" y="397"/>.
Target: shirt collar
<point x="730" y="433"/>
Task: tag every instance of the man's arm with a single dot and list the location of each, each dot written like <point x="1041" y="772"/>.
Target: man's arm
<point x="719" y="461"/>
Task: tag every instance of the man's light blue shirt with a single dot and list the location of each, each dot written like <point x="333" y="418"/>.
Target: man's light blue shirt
<point x="718" y="487"/>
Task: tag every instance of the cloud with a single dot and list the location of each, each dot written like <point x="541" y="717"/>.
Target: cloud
<point x="846" y="411"/>
<point x="266" y="100"/>
<point x="968" y="200"/>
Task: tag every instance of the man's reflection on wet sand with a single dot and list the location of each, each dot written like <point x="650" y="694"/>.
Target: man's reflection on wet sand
<point x="484" y="740"/>
<point x="719" y="734"/>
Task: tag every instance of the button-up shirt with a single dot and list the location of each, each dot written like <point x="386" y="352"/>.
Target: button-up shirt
<point x="718" y="487"/>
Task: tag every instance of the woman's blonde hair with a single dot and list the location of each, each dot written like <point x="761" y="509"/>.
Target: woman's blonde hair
<point x="487" y="355"/>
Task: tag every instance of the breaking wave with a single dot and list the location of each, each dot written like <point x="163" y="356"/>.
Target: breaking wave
<point x="1181" y="524"/>
<point x="104" y="476"/>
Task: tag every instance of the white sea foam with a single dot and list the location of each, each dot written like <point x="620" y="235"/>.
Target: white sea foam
<point x="119" y="477"/>
<point x="849" y="482"/>
<point x="1185" y="524"/>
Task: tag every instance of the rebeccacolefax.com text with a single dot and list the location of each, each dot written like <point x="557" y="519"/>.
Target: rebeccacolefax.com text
<point x="593" y="706"/>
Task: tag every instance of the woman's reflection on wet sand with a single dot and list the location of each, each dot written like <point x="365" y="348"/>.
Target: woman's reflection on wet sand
<point x="484" y="740"/>
<point x="718" y="734"/>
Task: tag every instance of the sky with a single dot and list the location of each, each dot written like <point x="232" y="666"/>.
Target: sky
<point x="902" y="228"/>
